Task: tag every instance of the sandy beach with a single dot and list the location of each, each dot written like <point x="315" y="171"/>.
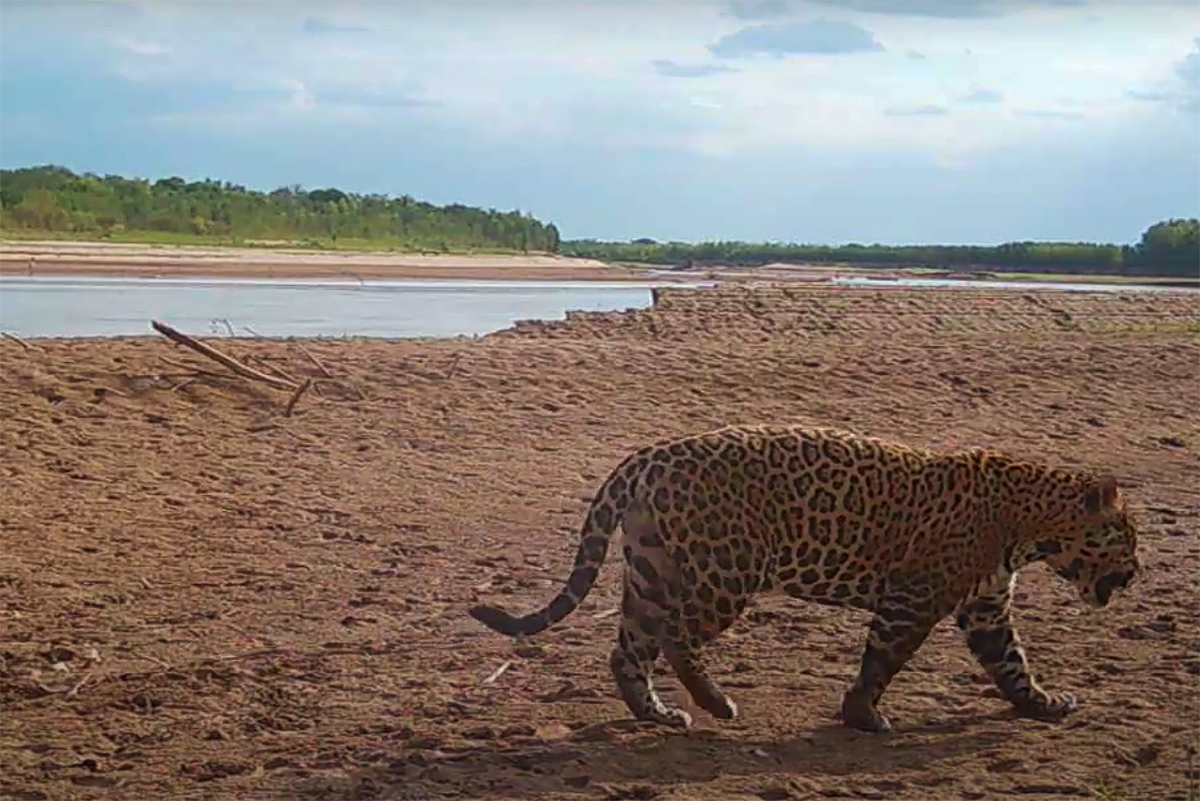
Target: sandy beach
<point x="203" y="597"/>
<point x="100" y="258"/>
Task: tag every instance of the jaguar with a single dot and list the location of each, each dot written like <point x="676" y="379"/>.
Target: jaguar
<point x="911" y="535"/>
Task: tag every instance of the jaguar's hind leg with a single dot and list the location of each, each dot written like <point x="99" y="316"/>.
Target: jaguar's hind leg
<point x="684" y="655"/>
<point x="697" y="614"/>
<point x="690" y="624"/>
<point x="647" y="588"/>
<point x="903" y="620"/>
<point x="632" y="663"/>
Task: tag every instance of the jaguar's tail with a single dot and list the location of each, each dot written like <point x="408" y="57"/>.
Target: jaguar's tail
<point x="602" y="520"/>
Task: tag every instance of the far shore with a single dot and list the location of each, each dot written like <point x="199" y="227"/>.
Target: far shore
<point x="163" y="261"/>
<point x="130" y="260"/>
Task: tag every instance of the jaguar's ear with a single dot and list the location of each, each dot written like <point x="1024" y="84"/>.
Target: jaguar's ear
<point x="1101" y="495"/>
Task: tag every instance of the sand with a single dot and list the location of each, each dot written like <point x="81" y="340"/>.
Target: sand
<point x="204" y="599"/>
<point x="150" y="261"/>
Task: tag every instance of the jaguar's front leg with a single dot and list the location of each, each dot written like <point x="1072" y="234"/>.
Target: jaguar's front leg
<point x="986" y="619"/>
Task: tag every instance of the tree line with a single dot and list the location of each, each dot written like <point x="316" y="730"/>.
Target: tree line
<point x="53" y="199"/>
<point x="1168" y="248"/>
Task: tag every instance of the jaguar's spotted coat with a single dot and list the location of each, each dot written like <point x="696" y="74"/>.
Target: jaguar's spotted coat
<point x="827" y="516"/>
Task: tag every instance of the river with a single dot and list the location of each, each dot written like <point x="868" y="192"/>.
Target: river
<point x="56" y="306"/>
<point x="87" y="306"/>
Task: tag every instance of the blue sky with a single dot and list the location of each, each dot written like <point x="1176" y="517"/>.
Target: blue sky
<point x="897" y="121"/>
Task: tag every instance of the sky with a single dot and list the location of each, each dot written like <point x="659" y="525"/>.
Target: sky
<point x="816" y="121"/>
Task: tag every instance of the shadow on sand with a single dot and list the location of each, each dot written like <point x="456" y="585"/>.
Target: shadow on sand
<point x="627" y="760"/>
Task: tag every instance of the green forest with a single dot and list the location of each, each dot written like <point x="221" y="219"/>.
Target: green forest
<point x="1168" y="248"/>
<point x="56" y="201"/>
<point x="53" y="201"/>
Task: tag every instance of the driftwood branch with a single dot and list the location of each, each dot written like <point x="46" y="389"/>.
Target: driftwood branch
<point x="19" y="341"/>
<point x="275" y="371"/>
<point x="300" y="390"/>
<point x="191" y="371"/>
<point x="219" y="357"/>
<point x="316" y="362"/>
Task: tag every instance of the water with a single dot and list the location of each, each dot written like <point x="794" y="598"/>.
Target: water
<point x="953" y="283"/>
<point x="86" y="306"/>
<point x="959" y="283"/>
<point x="94" y="306"/>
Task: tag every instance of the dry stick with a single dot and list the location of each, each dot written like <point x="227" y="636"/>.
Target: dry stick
<point x="498" y="672"/>
<point x="188" y="374"/>
<point x="291" y="404"/>
<point x="361" y="395"/>
<point x="192" y="370"/>
<point x="155" y="660"/>
<point x="74" y="690"/>
<point x="251" y="655"/>
<point x="316" y="362"/>
<point x="19" y="341"/>
<point x="453" y="368"/>
<point x="216" y="355"/>
<point x="274" y="370"/>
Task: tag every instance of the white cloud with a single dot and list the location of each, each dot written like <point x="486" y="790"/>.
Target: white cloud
<point x="1180" y="88"/>
<point x="989" y="75"/>
<point x="982" y="94"/>
<point x="946" y="9"/>
<point x="759" y="9"/>
<point x="322" y="25"/>
<point x="299" y="95"/>
<point x="143" y="48"/>
<point x="673" y="69"/>
<point x="925" y="110"/>
<point x="1049" y="114"/>
<point x="1188" y="69"/>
